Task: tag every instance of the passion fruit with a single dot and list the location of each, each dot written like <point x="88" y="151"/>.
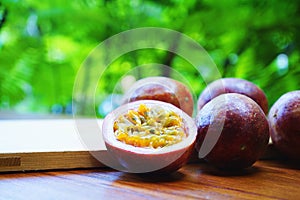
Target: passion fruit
<point x="284" y="118"/>
<point x="162" y="89"/>
<point x="233" y="85"/>
<point x="149" y="136"/>
<point x="233" y="131"/>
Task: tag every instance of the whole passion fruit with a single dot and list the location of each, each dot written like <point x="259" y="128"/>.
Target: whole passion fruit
<point x="284" y="117"/>
<point x="233" y="131"/>
<point x="162" y="89"/>
<point x="149" y="136"/>
<point x="233" y="85"/>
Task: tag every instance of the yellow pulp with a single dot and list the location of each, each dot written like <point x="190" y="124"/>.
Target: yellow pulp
<point x="153" y="128"/>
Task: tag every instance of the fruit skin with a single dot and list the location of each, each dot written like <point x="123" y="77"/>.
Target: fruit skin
<point x="233" y="85"/>
<point x="284" y="117"/>
<point x="162" y="89"/>
<point x="238" y="126"/>
<point x="141" y="160"/>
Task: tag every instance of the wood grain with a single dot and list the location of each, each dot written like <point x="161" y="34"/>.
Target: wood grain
<point x="47" y="160"/>
<point x="266" y="180"/>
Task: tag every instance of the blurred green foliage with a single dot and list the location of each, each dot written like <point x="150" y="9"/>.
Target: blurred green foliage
<point x="43" y="43"/>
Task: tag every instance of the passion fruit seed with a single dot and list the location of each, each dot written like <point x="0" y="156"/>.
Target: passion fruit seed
<point x="149" y="128"/>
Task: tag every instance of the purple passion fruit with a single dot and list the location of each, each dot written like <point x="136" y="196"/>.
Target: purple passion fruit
<point x="234" y="129"/>
<point x="149" y="136"/>
<point x="162" y="89"/>
<point x="284" y="118"/>
<point x="233" y="85"/>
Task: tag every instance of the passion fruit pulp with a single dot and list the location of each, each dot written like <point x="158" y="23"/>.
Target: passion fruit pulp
<point x="149" y="136"/>
<point x="233" y="85"/>
<point x="149" y="128"/>
<point x="284" y="117"/>
<point x="233" y="130"/>
<point x="162" y="89"/>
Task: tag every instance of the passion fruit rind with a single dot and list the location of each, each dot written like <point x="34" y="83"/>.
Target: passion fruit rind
<point x="144" y="159"/>
<point x="233" y="85"/>
<point x="237" y="128"/>
<point x="162" y="89"/>
<point x="284" y="118"/>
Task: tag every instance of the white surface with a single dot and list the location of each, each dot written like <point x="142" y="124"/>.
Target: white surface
<point x="19" y="136"/>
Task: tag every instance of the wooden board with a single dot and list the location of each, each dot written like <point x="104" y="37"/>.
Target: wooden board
<point x="47" y="144"/>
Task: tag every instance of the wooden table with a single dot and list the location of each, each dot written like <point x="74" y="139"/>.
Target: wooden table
<point x="60" y="147"/>
<point x="265" y="180"/>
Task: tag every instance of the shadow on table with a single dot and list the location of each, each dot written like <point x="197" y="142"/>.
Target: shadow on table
<point x="152" y="177"/>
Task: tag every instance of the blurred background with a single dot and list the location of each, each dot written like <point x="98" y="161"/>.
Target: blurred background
<point x="43" y="44"/>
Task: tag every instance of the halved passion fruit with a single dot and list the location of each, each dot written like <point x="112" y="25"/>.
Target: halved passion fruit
<point x="149" y="136"/>
<point x="162" y="89"/>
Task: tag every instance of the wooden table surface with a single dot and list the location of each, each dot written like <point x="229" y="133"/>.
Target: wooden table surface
<point x="265" y="180"/>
